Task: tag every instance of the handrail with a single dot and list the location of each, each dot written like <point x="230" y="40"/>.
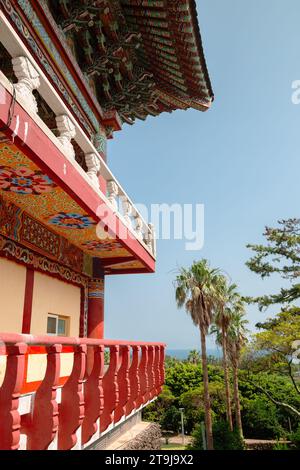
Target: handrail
<point x="11" y="338"/>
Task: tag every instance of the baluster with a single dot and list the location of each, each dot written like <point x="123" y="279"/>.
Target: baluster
<point x="143" y="376"/>
<point x="153" y="239"/>
<point x="127" y="211"/>
<point x="123" y="383"/>
<point x="110" y="389"/>
<point x="162" y="365"/>
<point x="148" y="239"/>
<point x="94" y="397"/>
<point x="44" y="424"/>
<point x="156" y="370"/>
<point x="72" y="403"/>
<point x="112" y="193"/>
<point x="67" y="132"/>
<point x="134" y="381"/>
<point x="93" y="165"/>
<point x="28" y="80"/>
<point x="150" y="373"/>
<point x="138" y="227"/>
<point x="10" y="421"/>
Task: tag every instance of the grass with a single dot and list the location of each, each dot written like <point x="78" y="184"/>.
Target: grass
<point x="172" y="447"/>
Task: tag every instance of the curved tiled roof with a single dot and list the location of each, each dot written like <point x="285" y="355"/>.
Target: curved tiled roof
<point x="141" y="56"/>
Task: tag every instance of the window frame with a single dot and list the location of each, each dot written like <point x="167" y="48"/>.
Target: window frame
<point x="57" y="318"/>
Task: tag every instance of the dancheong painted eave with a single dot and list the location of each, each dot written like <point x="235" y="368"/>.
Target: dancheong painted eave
<point x="140" y="57"/>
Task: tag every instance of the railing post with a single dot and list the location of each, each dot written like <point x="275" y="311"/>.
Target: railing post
<point x="123" y="383"/>
<point x="134" y="380"/>
<point x="150" y="373"/>
<point x="127" y="211"/>
<point x="67" y="132"/>
<point x="10" y="421"/>
<point x="112" y="193"/>
<point x="138" y="227"/>
<point x="156" y="369"/>
<point x="72" y="402"/>
<point x="153" y="239"/>
<point x="44" y="424"/>
<point x="28" y="80"/>
<point x="162" y="365"/>
<point x="143" y="376"/>
<point x="94" y="397"/>
<point x="110" y="389"/>
<point x="93" y="165"/>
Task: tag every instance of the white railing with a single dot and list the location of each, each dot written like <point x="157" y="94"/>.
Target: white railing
<point x="30" y="77"/>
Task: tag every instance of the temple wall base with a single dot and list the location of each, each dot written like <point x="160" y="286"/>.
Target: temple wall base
<point x="133" y="434"/>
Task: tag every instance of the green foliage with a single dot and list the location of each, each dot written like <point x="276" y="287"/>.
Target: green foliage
<point x="197" y="439"/>
<point x="183" y="377"/>
<point x="280" y="256"/>
<point x="295" y="438"/>
<point x="170" y="419"/>
<point x="224" y="439"/>
<point x="260" y="419"/>
<point x="280" y="446"/>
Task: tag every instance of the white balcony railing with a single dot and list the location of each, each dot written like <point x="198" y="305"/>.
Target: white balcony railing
<point x="31" y="78"/>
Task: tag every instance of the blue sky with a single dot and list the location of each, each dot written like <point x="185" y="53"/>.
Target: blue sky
<point x="240" y="159"/>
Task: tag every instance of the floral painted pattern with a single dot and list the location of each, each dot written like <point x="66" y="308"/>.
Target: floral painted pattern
<point x="70" y="220"/>
<point x="96" y="245"/>
<point x="23" y="180"/>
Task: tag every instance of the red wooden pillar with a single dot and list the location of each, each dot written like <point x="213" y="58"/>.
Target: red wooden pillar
<point x="27" y="309"/>
<point x="95" y="323"/>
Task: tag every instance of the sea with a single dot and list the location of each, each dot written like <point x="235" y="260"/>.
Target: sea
<point x="183" y="353"/>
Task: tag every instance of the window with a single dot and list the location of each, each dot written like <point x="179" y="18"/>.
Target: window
<point x="57" y="325"/>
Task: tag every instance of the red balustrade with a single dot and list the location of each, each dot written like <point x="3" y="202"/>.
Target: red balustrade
<point x="69" y="411"/>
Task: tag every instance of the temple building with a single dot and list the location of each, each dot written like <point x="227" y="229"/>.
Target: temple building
<point x="72" y="73"/>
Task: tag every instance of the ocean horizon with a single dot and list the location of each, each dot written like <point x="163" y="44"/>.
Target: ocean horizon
<point x="183" y="353"/>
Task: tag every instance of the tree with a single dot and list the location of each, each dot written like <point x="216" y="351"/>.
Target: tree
<point x="277" y="340"/>
<point x="227" y="300"/>
<point x="196" y="290"/>
<point x="194" y="357"/>
<point x="236" y="339"/>
<point x="281" y="255"/>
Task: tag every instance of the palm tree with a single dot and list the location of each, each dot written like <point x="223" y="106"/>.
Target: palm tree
<point x="196" y="289"/>
<point x="236" y="339"/>
<point x="227" y="297"/>
<point x="194" y="356"/>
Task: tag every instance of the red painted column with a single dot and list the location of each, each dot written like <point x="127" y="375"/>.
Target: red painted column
<point x="95" y="322"/>
<point x="28" y="301"/>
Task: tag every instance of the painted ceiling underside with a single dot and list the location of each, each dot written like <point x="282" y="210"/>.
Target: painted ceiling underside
<point x="141" y="57"/>
<point x="49" y="212"/>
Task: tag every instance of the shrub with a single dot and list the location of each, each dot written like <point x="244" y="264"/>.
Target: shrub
<point x="224" y="439"/>
<point x="295" y="438"/>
